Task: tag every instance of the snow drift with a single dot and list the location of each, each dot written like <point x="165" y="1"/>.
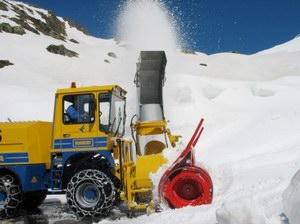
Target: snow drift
<point x="241" y="211"/>
<point x="291" y="199"/>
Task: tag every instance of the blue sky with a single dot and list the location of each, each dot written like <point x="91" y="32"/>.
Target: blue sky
<point x="210" y="26"/>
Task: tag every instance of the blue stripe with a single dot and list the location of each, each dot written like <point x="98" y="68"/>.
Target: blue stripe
<point x="100" y="144"/>
<point x="80" y="143"/>
<point x="14" y="157"/>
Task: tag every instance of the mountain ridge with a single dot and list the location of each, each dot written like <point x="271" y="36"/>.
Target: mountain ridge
<point x="34" y="19"/>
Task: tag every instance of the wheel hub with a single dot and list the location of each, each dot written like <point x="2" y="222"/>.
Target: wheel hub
<point x="189" y="189"/>
<point x="88" y="195"/>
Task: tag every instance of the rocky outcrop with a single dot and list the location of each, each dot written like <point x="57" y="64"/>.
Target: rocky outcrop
<point x="26" y="19"/>
<point x="77" y="26"/>
<point x="62" y="50"/>
<point x="5" y="27"/>
<point x="3" y="6"/>
<point x="188" y="51"/>
<point x="53" y="26"/>
<point x="112" y="54"/>
<point x="234" y="52"/>
<point x="4" y="63"/>
<point x="74" y="41"/>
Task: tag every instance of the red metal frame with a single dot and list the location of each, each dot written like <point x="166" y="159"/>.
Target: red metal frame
<point x="185" y="183"/>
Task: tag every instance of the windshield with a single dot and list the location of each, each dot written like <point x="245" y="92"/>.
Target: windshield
<point x="112" y="114"/>
<point x="78" y="109"/>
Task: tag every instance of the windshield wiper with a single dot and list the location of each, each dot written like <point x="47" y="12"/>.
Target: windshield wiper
<point x="115" y="134"/>
<point x="111" y="125"/>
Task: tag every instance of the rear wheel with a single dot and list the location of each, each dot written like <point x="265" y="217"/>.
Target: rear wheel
<point x="10" y="196"/>
<point x="91" y="193"/>
<point x="31" y="200"/>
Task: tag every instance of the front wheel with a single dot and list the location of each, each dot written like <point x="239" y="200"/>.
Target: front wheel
<point x="91" y="193"/>
<point x="10" y="196"/>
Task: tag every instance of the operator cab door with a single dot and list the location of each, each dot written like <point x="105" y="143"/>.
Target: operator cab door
<point x="79" y="126"/>
<point x="112" y="114"/>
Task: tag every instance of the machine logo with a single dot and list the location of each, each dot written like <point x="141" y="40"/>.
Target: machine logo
<point x="1" y="158"/>
<point x="83" y="143"/>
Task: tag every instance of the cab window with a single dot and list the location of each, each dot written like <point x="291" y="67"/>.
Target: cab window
<point x="78" y="109"/>
<point x="117" y="116"/>
<point x="104" y="105"/>
<point x="112" y="114"/>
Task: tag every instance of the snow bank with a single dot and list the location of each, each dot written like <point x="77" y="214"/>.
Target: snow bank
<point x="290" y="46"/>
<point x="240" y="211"/>
<point x="291" y="199"/>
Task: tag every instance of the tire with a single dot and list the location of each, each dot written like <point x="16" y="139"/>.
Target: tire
<point x="90" y="194"/>
<point x="10" y="196"/>
<point x="32" y="200"/>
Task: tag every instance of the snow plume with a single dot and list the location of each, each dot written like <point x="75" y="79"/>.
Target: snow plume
<point x="147" y="25"/>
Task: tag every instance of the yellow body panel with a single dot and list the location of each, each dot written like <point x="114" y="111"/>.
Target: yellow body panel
<point x="91" y="89"/>
<point x="148" y="164"/>
<point x="33" y="138"/>
<point x="135" y="171"/>
<point x="151" y="128"/>
<point x="138" y="184"/>
<point x="137" y="188"/>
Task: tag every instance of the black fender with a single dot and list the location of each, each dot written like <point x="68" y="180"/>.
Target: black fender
<point x="86" y="160"/>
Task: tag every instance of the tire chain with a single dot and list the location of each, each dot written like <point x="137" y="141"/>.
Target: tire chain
<point x="13" y="198"/>
<point x="99" y="179"/>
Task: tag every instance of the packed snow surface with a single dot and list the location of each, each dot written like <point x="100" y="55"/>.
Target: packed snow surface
<point x="250" y="103"/>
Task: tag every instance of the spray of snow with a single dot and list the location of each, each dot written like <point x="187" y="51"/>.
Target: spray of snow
<point x="147" y="25"/>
